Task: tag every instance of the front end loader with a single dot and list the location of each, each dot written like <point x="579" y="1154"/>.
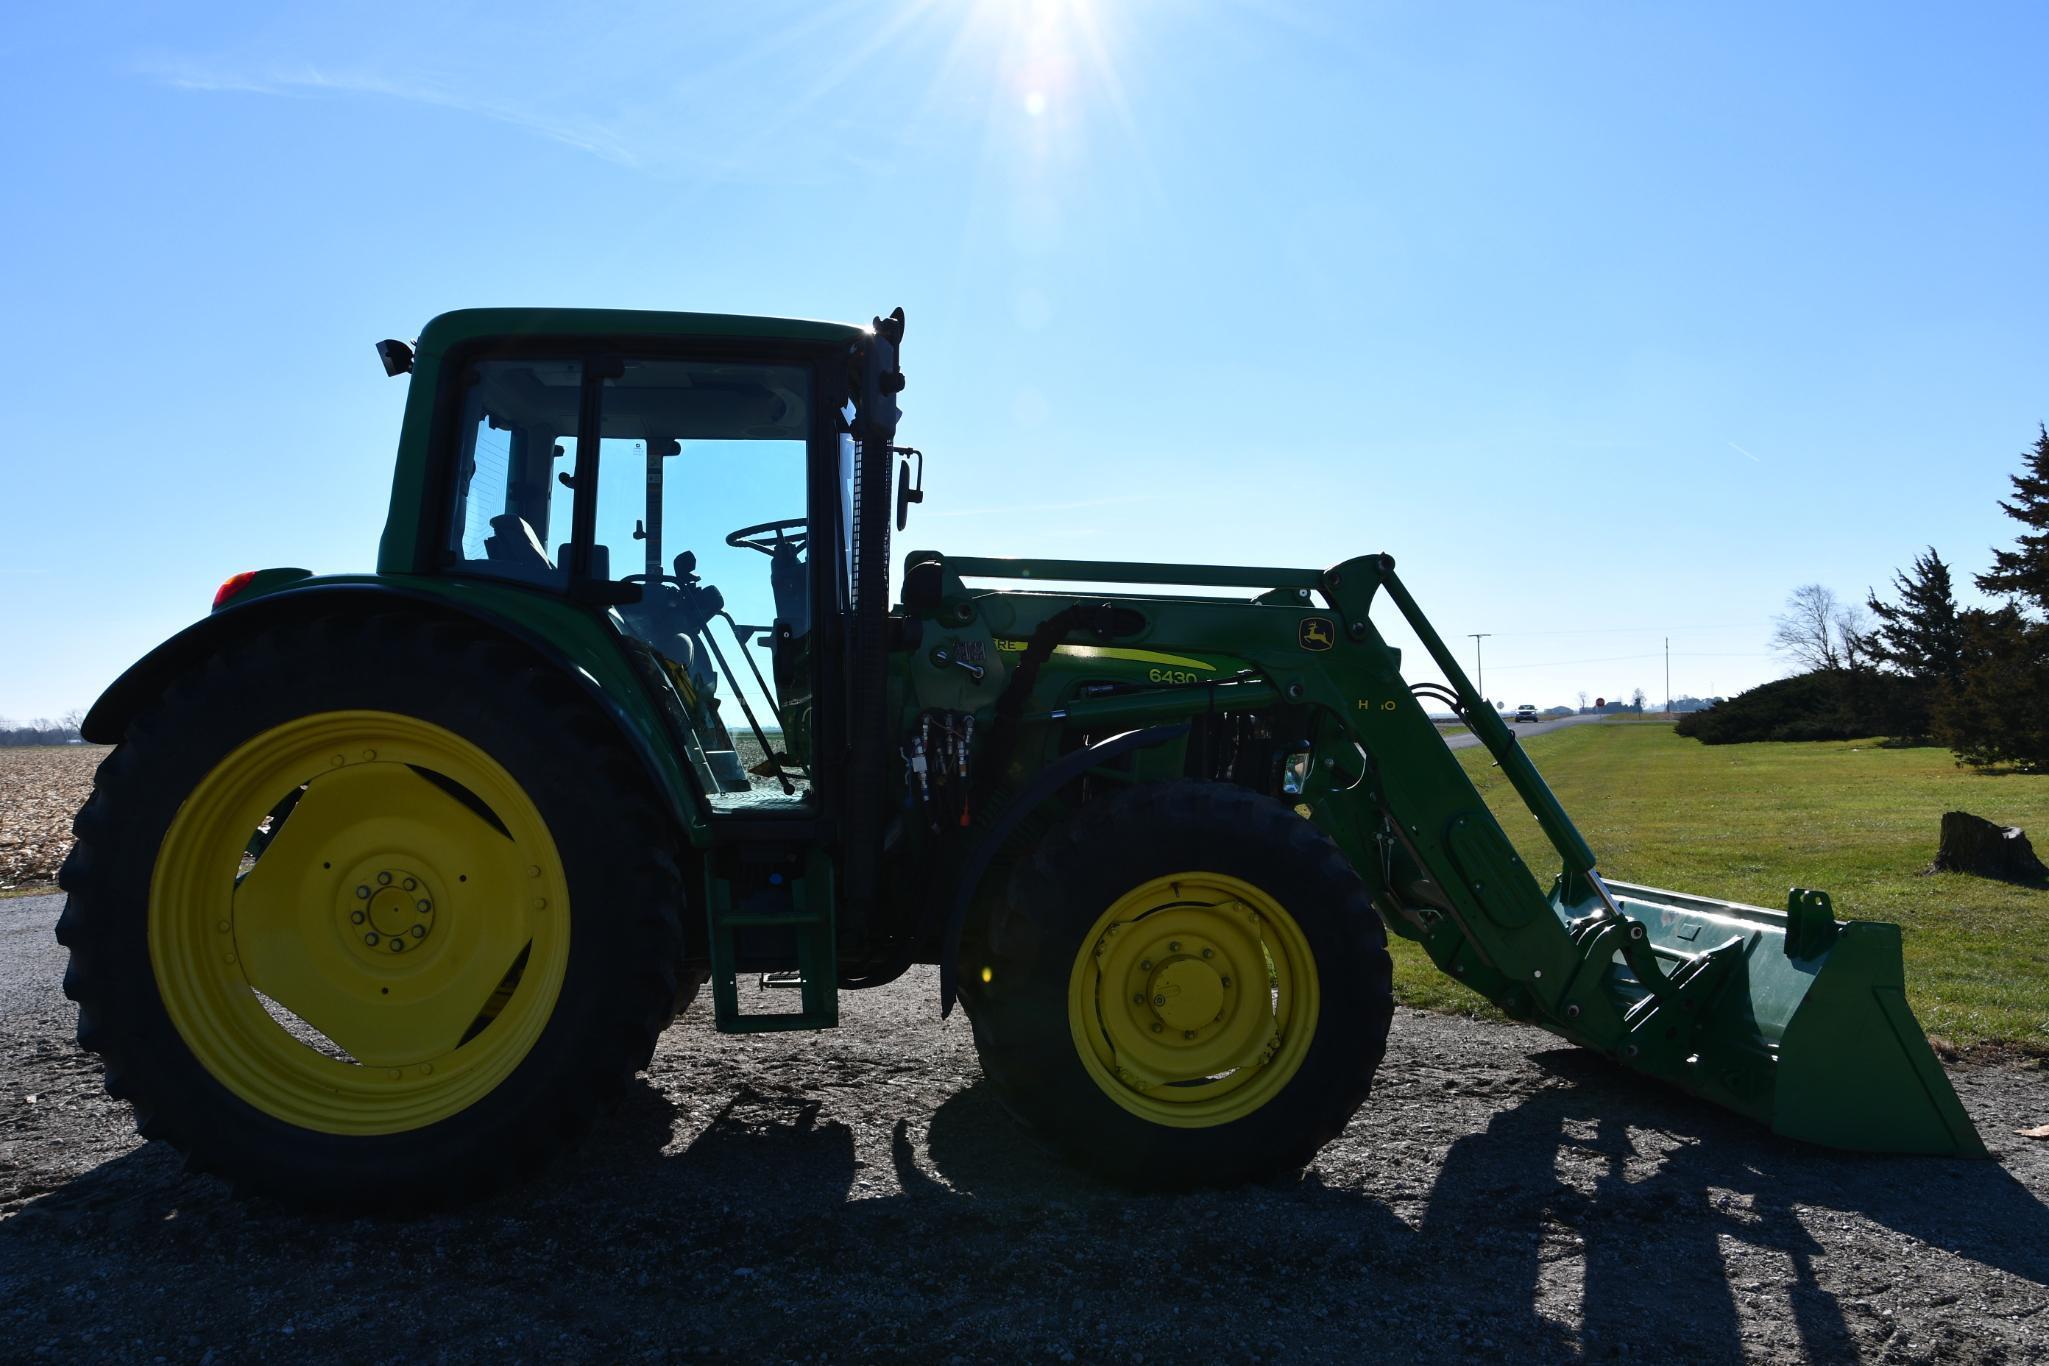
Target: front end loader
<point x="393" y="879"/>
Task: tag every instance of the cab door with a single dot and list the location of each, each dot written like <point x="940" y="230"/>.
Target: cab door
<point x="695" y="492"/>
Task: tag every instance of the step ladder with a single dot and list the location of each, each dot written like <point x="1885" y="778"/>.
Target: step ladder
<point x="809" y="915"/>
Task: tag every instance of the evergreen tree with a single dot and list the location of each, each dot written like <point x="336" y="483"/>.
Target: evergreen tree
<point x="2023" y="572"/>
<point x="1996" y="713"/>
<point x="1920" y="636"/>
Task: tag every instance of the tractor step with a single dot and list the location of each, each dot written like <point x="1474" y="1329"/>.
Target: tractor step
<point x="805" y="909"/>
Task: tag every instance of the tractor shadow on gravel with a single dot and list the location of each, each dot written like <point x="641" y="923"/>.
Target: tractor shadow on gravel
<point x="1588" y="1217"/>
<point x="1652" y="1188"/>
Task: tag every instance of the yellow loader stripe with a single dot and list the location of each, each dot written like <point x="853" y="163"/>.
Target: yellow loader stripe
<point x="1115" y="652"/>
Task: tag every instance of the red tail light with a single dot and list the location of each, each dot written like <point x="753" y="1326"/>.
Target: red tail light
<point x="232" y="586"/>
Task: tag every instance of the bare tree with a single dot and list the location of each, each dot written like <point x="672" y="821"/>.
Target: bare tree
<point x="1853" y="636"/>
<point x="1582" y="699"/>
<point x="1810" y="631"/>
<point x="1636" y="699"/>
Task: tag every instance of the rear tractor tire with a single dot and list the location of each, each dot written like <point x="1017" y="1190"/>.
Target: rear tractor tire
<point x="1187" y="985"/>
<point x="370" y="914"/>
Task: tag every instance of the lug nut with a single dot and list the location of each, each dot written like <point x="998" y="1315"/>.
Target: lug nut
<point x="355" y="917"/>
<point x="1209" y="953"/>
<point x="371" y="939"/>
<point x="1187" y="1033"/>
<point x="1145" y="965"/>
<point x="1158" y="1028"/>
<point x="419" y="931"/>
<point x="424" y="906"/>
<point x="362" y="893"/>
<point x="1139" y="999"/>
<point x="398" y="945"/>
<point x="1227" y="981"/>
<point x="1174" y="947"/>
<point x="384" y="879"/>
<point x="1159" y="1000"/>
<point x="409" y="884"/>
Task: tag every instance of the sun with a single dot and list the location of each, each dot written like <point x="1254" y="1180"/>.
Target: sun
<point x="1045" y="61"/>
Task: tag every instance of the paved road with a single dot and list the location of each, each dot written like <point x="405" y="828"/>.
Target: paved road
<point x="31" y="963"/>
<point x="1468" y="740"/>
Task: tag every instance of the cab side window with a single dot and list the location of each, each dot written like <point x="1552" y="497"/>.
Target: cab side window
<point x="516" y="433"/>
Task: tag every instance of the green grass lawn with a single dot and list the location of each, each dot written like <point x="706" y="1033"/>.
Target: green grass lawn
<point x="1745" y="822"/>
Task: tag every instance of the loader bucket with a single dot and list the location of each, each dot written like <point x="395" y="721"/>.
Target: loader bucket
<point x="1805" y="1025"/>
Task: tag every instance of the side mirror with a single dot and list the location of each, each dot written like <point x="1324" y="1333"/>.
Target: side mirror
<point x="396" y="357"/>
<point x="906" y="493"/>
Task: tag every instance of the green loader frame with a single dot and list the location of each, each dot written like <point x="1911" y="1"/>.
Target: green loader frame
<point x="1791" y="1017"/>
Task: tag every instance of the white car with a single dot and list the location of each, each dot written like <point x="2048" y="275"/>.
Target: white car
<point x="1526" y="712"/>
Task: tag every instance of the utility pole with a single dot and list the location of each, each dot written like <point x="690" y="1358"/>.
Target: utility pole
<point x="1479" y="665"/>
<point x="1668" y="675"/>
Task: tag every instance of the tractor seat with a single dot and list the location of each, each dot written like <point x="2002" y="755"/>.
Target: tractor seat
<point x="513" y="544"/>
<point x="792" y="594"/>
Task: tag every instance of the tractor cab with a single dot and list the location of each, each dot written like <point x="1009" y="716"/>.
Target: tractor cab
<point x="692" y="475"/>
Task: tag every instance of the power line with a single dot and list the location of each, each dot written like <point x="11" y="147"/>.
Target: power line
<point x="1616" y="659"/>
<point x="1631" y="630"/>
<point x="1561" y="663"/>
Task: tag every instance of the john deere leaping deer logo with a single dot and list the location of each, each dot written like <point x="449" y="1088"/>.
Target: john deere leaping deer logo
<point x="1316" y="633"/>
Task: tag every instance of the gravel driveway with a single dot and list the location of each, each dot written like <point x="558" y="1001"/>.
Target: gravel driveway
<point x="859" y="1194"/>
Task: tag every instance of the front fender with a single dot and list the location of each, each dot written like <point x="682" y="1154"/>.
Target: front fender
<point x="560" y="634"/>
<point x="1044" y="784"/>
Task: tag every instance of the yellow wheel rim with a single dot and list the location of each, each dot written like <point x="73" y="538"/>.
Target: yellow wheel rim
<point x="392" y="951"/>
<point x="1193" y="1000"/>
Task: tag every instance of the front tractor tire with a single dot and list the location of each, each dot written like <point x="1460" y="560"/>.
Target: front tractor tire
<point x="1186" y="985"/>
<point x="370" y="914"/>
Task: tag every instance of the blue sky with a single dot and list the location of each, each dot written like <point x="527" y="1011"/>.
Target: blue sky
<point x="1610" y="322"/>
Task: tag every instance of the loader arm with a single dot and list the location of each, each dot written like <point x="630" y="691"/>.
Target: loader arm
<point x="1789" y="1017"/>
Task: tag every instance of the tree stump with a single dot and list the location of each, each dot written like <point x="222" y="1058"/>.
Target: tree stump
<point x="1972" y="844"/>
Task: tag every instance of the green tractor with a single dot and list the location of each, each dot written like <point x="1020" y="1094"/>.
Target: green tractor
<point x="392" y="880"/>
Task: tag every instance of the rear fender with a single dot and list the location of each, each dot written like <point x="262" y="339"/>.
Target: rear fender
<point x="557" y="634"/>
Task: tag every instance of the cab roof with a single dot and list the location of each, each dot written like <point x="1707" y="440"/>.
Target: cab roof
<point x="472" y="324"/>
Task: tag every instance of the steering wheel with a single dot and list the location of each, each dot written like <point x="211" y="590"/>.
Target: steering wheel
<point x="790" y="532"/>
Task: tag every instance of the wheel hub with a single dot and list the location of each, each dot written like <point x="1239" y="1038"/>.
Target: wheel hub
<point x="387" y="912"/>
<point x="1187" y="993"/>
<point x="1193" y="1000"/>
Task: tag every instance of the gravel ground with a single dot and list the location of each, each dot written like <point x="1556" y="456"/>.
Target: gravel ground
<point x="860" y="1194"/>
<point x="41" y="788"/>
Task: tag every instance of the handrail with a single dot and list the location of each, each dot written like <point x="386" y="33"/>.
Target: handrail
<point x="1122" y="571"/>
